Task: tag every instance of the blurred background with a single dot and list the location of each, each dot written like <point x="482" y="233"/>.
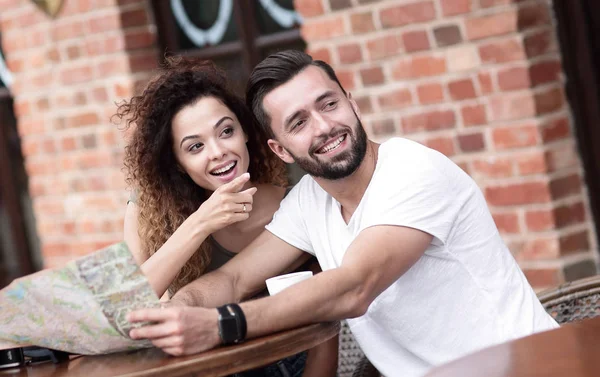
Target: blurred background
<point x="509" y="89"/>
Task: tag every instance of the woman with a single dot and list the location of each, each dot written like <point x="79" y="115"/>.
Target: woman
<point x="194" y="206"/>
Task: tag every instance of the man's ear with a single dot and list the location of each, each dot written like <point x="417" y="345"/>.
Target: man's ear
<point x="354" y="105"/>
<point x="280" y="151"/>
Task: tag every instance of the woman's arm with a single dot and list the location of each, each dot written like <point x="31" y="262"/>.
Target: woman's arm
<point x="223" y="208"/>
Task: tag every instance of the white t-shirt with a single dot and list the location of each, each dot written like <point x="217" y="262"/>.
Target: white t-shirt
<point x="465" y="293"/>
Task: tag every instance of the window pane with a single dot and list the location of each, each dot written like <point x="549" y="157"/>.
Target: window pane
<point x="204" y="23"/>
<point x="274" y="16"/>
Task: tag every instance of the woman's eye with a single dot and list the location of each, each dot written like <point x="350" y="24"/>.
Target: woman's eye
<point x="227" y="131"/>
<point x="195" y="147"/>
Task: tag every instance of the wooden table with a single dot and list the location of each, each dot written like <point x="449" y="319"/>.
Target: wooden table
<point x="217" y="362"/>
<point x="571" y="351"/>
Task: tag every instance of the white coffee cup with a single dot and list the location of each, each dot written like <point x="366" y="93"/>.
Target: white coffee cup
<point x="279" y="283"/>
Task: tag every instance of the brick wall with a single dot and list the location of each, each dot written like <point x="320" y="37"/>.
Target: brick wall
<point x="68" y="72"/>
<point x="481" y="81"/>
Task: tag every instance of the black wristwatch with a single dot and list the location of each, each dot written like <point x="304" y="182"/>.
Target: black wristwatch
<point x="232" y="324"/>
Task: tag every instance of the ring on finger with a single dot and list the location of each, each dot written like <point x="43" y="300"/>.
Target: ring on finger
<point x="244" y="208"/>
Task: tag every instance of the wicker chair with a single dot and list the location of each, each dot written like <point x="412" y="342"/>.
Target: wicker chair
<point x="573" y="301"/>
<point x="352" y="362"/>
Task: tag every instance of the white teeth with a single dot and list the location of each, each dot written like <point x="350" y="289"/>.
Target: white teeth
<point x="223" y="169"/>
<point x="333" y="145"/>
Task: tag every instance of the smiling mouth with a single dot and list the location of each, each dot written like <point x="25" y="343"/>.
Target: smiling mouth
<point x="224" y="170"/>
<point x="331" y="146"/>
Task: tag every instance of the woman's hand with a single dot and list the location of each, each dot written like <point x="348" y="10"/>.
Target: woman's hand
<point x="227" y="205"/>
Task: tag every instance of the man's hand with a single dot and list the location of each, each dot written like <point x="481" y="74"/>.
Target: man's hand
<point x="178" y="330"/>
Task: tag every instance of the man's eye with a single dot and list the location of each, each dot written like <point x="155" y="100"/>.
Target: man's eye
<point x="195" y="147"/>
<point x="331" y="104"/>
<point x="298" y="124"/>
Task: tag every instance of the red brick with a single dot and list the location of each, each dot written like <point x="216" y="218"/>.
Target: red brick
<point x="415" y="41"/>
<point x="142" y="62"/>
<point x="549" y="100"/>
<point x="543" y="277"/>
<point x="502" y="51"/>
<point x="447" y="35"/>
<point x="512" y="106"/>
<point x="421" y="66"/>
<point x="539" y="220"/>
<point x="485" y="82"/>
<point x="407" y="14"/>
<point x="104" y="23"/>
<point x="349" y="53"/>
<point x="309" y="8"/>
<point x="135" y="39"/>
<point x="569" y="214"/>
<point x="493" y="168"/>
<point x="471" y="142"/>
<point x="532" y="163"/>
<point x="85" y="119"/>
<point x="364" y="104"/>
<point x="540" y="248"/>
<point x="556" y="129"/>
<point x="321" y="54"/>
<point x="454" y="7"/>
<point x="540" y="43"/>
<point x="533" y="15"/>
<point x="461" y="89"/>
<point x="515" y="136"/>
<point x="134" y="17"/>
<point x="383" y="47"/>
<point x="71" y="29"/>
<point x="323" y="29"/>
<point x="362" y="22"/>
<point x="372" y="76"/>
<point x="491" y="25"/>
<point x="339" y="4"/>
<point x="473" y="115"/>
<point x="507" y="222"/>
<point x="72" y="75"/>
<point x="346" y="79"/>
<point x="575" y="242"/>
<point x="444" y="145"/>
<point x="429" y="121"/>
<point x="113" y="67"/>
<point x="395" y="100"/>
<point x="100" y="95"/>
<point x="562" y="156"/>
<point x="430" y="93"/>
<point x="68" y="144"/>
<point x="513" y="79"/>
<point x="565" y="186"/>
<point x="545" y="72"/>
<point x="383" y="127"/>
<point x="518" y="194"/>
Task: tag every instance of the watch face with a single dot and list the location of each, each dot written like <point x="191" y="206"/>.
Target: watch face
<point x="228" y="329"/>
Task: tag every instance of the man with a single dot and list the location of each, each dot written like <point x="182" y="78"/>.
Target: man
<point x="410" y="253"/>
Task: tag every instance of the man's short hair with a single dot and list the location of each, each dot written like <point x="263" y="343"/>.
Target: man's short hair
<point x="276" y="70"/>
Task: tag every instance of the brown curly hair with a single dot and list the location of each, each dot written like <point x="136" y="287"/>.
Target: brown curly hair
<point x="166" y="196"/>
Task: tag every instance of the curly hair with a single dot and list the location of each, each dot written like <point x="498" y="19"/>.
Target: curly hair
<point x="166" y="196"/>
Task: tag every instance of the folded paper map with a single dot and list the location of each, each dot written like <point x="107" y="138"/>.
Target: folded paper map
<point x="80" y="308"/>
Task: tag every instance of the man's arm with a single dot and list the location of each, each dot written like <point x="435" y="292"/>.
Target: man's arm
<point x="375" y="260"/>
<point x="244" y="275"/>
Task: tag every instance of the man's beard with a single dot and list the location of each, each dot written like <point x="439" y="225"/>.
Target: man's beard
<point x="341" y="165"/>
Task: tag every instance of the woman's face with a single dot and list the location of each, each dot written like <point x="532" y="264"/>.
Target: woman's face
<point x="209" y="143"/>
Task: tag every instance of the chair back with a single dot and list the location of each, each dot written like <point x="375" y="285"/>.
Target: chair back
<point x="573" y="301"/>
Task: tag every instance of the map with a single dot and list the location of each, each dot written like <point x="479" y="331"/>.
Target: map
<point x="80" y="308"/>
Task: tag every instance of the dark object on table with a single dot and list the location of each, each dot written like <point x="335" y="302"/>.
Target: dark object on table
<point x="16" y="357"/>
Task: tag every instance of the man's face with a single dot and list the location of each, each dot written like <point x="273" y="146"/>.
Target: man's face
<point x="316" y="125"/>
